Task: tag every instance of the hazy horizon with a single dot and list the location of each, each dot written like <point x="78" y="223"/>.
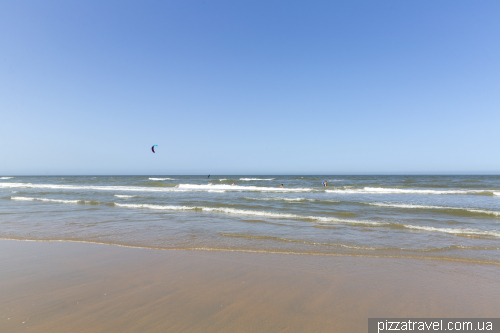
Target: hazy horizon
<point x="256" y="174"/>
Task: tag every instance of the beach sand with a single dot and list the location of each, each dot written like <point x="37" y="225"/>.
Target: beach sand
<point x="81" y="287"/>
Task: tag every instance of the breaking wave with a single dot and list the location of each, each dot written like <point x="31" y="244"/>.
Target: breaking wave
<point x="195" y="187"/>
<point x="235" y="211"/>
<point x="411" y="206"/>
<point x="180" y="187"/>
<point x="456" y="231"/>
<point x="380" y="190"/>
<point x="57" y="200"/>
<point x="289" y="199"/>
<point x="319" y="219"/>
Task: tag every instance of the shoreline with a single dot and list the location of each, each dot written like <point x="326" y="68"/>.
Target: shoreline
<point x="355" y="255"/>
<point x="65" y="286"/>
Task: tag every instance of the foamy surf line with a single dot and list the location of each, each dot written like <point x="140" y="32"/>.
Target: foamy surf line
<point x="235" y="211"/>
<point x="6" y="177"/>
<point x="225" y="210"/>
<point x="161" y="178"/>
<point x="380" y="190"/>
<point x="195" y="187"/>
<point x="290" y="199"/>
<point x="455" y="231"/>
<point x="250" y="179"/>
<point x="410" y="206"/>
<point x="56" y="200"/>
<point x="320" y="219"/>
<point x="180" y="188"/>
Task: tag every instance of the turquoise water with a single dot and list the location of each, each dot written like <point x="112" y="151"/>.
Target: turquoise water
<point x="439" y="217"/>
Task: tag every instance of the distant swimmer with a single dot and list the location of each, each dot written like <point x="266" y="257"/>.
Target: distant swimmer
<point x="232" y="184"/>
<point x="281" y="185"/>
<point x="325" y="183"/>
<point x="209" y="183"/>
<point x="208" y="176"/>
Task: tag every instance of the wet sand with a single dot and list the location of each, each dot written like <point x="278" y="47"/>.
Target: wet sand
<point x="78" y="287"/>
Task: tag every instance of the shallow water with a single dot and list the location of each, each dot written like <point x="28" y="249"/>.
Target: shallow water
<point x="441" y="217"/>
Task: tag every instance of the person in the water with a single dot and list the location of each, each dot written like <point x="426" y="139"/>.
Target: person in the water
<point x="232" y="184"/>
<point x="281" y="185"/>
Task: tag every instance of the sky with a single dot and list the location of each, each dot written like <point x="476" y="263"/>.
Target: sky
<point x="249" y="87"/>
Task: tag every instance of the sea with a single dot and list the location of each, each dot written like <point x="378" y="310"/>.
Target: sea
<point x="453" y="218"/>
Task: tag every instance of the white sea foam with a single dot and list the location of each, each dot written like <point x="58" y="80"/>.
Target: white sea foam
<point x="162" y="178"/>
<point x="382" y="204"/>
<point x="216" y="191"/>
<point x="490" y="212"/>
<point x="496" y="193"/>
<point x="410" y="206"/>
<point x="320" y="219"/>
<point x="289" y="199"/>
<point x="455" y="231"/>
<point x="236" y="211"/>
<point x="6" y="177"/>
<point x="126" y="196"/>
<point x="380" y="190"/>
<point x="195" y="187"/>
<point x="279" y="199"/>
<point x="22" y="198"/>
<point x="249" y="179"/>
<point x="178" y="188"/>
<point x="223" y="179"/>
<point x="149" y="206"/>
<point x="87" y="187"/>
<point x="44" y="200"/>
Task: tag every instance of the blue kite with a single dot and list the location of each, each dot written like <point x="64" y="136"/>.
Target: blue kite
<point x="153" y="148"/>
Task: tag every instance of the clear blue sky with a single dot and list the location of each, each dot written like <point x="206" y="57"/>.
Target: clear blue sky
<point x="249" y="87"/>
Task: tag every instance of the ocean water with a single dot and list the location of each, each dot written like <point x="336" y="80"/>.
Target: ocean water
<point x="432" y="217"/>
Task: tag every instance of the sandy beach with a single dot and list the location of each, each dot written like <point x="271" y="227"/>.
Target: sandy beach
<point x="81" y="287"/>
